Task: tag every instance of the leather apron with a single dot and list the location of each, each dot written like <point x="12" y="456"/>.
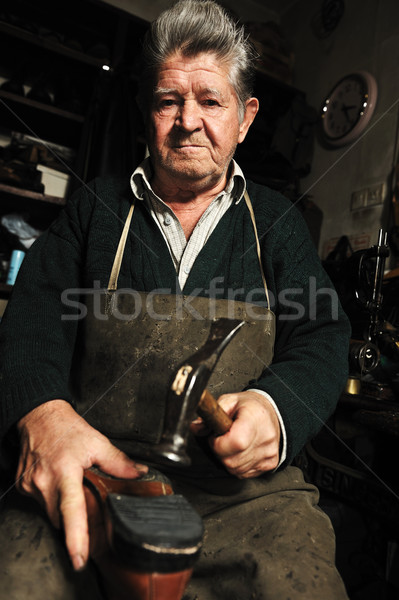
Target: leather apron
<point x="133" y="342"/>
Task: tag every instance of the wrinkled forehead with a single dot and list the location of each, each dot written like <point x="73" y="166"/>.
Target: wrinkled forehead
<point x="209" y="60"/>
<point x="200" y="73"/>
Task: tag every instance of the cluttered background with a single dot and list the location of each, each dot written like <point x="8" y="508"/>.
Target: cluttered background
<point x="326" y="137"/>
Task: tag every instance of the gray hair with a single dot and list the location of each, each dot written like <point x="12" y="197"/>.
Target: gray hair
<point x="192" y="27"/>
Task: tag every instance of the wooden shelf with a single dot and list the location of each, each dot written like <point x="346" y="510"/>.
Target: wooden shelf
<point x="48" y="108"/>
<point x="22" y="193"/>
<point x="32" y="38"/>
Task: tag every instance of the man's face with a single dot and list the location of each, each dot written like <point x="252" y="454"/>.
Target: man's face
<point x="194" y="126"/>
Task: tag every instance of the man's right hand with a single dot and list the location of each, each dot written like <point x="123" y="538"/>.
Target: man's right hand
<point x="57" y="445"/>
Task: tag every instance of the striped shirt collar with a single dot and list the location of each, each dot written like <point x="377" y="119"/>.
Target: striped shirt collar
<point x="140" y="181"/>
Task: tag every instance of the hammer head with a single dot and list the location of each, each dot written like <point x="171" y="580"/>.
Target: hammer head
<point x="188" y="385"/>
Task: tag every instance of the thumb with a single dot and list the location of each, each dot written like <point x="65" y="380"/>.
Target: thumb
<point x="229" y="403"/>
<point x="117" y="463"/>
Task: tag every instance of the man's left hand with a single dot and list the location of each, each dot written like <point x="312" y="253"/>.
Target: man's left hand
<point x="251" y="447"/>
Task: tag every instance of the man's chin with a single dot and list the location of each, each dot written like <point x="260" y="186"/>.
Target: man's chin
<point x="187" y="171"/>
<point x="198" y="173"/>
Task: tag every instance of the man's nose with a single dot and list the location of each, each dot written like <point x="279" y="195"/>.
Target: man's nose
<point x="189" y="116"/>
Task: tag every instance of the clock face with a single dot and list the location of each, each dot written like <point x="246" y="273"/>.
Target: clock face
<point x="348" y="108"/>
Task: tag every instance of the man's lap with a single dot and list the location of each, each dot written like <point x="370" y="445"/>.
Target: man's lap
<point x="264" y="540"/>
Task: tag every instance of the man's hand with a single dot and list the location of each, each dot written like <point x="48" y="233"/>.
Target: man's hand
<point x="251" y="447"/>
<point x="57" y="445"/>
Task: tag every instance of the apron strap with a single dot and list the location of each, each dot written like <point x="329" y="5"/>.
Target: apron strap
<point x="113" y="280"/>
<point x="251" y="212"/>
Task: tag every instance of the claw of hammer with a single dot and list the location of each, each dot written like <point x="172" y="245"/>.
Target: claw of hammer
<point x="188" y="395"/>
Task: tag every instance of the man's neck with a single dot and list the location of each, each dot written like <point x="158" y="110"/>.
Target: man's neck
<point x="189" y="212"/>
<point x="188" y="202"/>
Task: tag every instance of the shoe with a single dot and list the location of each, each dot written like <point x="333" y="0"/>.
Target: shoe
<point x="144" y="538"/>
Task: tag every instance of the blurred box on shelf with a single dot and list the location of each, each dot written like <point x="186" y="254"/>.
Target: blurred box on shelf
<point x="35" y="150"/>
<point x="3" y="304"/>
<point x="276" y="57"/>
<point x="55" y="182"/>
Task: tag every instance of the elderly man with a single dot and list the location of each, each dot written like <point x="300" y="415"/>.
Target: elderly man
<point x="203" y="238"/>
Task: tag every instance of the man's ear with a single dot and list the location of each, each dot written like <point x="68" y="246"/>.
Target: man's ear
<point x="251" y="108"/>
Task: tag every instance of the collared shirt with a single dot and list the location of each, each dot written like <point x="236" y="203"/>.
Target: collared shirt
<point x="184" y="252"/>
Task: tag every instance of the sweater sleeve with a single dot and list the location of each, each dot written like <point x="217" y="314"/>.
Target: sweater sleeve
<point x="36" y="343"/>
<point x="310" y="363"/>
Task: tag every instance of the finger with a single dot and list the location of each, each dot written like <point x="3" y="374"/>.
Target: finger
<point x="26" y="485"/>
<point x="23" y="483"/>
<point x="251" y="474"/>
<point x="72" y="507"/>
<point x="229" y="403"/>
<point x="234" y="442"/>
<point x="198" y="427"/>
<point x="115" y="462"/>
<point x="23" y="477"/>
<point x="248" y="465"/>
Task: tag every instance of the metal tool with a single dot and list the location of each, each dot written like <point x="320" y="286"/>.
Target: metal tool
<point x="188" y="395"/>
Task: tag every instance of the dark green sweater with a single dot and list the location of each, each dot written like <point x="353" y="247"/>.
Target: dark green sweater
<point x="310" y="363"/>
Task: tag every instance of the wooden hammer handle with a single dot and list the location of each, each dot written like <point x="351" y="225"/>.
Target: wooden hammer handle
<point x="213" y="414"/>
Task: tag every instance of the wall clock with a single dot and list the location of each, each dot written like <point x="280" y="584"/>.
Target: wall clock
<point x="348" y="108"/>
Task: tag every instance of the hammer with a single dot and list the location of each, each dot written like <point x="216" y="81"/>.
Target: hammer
<point x="188" y="395"/>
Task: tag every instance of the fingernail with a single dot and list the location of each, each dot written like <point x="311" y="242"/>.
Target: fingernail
<point x="78" y="562"/>
<point x="142" y="468"/>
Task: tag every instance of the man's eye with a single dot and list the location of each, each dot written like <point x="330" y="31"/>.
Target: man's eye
<point x="167" y="102"/>
<point x="210" y="102"/>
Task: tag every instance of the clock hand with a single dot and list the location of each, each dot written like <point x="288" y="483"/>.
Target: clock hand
<point x="345" y="109"/>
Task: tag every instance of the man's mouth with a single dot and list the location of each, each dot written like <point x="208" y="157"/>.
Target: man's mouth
<point x="180" y="143"/>
<point x="188" y="146"/>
